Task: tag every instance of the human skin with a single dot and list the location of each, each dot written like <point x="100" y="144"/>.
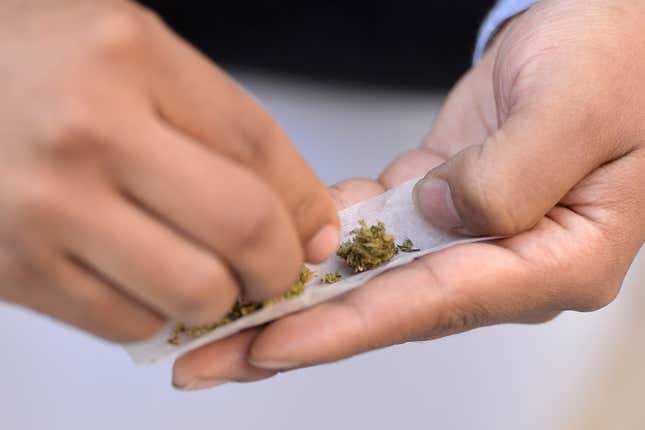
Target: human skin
<point x="542" y="142"/>
<point x="139" y="183"/>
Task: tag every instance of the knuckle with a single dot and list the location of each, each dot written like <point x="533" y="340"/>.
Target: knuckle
<point x="501" y="218"/>
<point x="596" y="283"/>
<point x="462" y="317"/>
<point x="118" y="27"/>
<point x="150" y="16"/>
<point x="70" y="126"/>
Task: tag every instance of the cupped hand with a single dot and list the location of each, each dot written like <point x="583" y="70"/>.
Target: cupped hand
<point x="541" y="142"/>
<point x="139" y="183"/>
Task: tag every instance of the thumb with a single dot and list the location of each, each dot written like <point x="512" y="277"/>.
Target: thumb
<point x="508" y="183"/>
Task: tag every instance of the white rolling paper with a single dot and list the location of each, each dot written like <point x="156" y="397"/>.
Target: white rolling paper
<point x="394" y="208"/>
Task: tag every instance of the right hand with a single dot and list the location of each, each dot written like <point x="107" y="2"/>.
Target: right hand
<point x="138" y="182"/>
<point x="543" y="141"/>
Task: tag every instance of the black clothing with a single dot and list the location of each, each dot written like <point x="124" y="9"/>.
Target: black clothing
<point x="402" y="43"/>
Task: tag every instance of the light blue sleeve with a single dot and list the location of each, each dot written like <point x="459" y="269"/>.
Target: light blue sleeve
<point x="503" y="10"/>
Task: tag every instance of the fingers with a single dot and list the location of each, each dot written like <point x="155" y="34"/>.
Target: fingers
<point x="218" y="363"/>
<point x="227" y="360"/>
<point x="71" y="293"/>
<point x="352" y="191"/>
<point x="410" y="165"/>
<point x="217" y="204"/>
<point x="152" y="263"/>
<point x="197" y="98"/>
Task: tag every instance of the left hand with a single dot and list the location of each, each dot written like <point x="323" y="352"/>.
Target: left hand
<point x="544" y="142"/>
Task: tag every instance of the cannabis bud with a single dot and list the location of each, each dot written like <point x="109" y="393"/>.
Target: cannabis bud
<point x="369" y="247"/>
<point x="331" y="278"/>
<point x="407" y="246"/>
<point x="305" y="276"/>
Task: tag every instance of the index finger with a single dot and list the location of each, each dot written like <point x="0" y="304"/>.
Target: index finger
<point x="196" y="97"/>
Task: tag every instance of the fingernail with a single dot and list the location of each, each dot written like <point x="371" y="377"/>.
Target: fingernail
<point x="275" y="364"/>
<point x="199" y="384"/>
<point x="434" y="201"/>
<point x="323" y="244"/>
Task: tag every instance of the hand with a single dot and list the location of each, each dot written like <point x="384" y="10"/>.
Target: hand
<point x="138" y="182"/>
<point x="543" y="142"/>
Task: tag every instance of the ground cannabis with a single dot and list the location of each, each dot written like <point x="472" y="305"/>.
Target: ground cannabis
<point x="305" y="276"/>
<point x="239" y="310"/>
<point x="331" y="278"/>
<point x="368" y="248"/>
<point x="407" y="246"/>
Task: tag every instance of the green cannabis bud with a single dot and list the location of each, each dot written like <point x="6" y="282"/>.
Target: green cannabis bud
<point x="407" y="246"/>
<point x="305" y="276"/>
<point x="239" y="310"/>
<point x="331" y="278"/>
<point x="369" y="247"/>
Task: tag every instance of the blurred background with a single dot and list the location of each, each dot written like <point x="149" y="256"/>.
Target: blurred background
<point x="354" y="84"/>
<point x="386" y="43"/>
